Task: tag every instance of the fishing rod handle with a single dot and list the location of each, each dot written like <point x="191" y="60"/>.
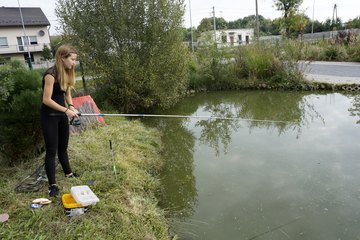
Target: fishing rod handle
<point x="60" y="114"/>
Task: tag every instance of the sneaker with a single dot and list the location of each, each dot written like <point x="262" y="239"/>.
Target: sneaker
<point x="53" y="190"/>
<point x="72" y="175"/>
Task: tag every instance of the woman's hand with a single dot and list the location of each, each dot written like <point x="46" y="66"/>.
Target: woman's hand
<point x="71" y="113"/>
<point x="72" y="108"/>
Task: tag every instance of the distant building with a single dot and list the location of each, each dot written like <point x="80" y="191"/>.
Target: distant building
<point x="227" y="38"/>
<point x="14" y="44"/>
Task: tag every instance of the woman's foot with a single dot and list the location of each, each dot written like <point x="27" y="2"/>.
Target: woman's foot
<point x="72" y="175"/>
<point x="53" y="190"/>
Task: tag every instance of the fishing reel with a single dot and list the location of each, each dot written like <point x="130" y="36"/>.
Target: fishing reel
<point x="75" y="121"/>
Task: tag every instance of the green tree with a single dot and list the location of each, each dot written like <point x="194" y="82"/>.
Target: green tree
<point x="318" y="26"/>
<point x="207" y="24"/>
<point x="276" y="26"/>
<point x="235" y="24"/>
<point x="327" y="25"/>
<point x="354" y="23"/>
<point x="221" y="23"/>
<point x="186" y="32"/>
<point x="337" y="24"/>
<point x="55" y="42"/>
<point x="250" y="21"/>
<point x="330" y="25"/>
<point x="46" y="53"/>
<point x="134" y="47"/>
<point x="298" y="25"/>
<point x="288" y="7"/>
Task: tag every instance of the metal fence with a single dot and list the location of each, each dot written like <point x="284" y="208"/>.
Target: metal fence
<point x="314" y="36"/>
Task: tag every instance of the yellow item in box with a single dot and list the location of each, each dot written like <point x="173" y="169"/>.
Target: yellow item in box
<point x="72" y="208"/>
<point x="69" y="202"/>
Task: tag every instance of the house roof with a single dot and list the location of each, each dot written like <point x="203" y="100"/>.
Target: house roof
<point x="10" y="17"/>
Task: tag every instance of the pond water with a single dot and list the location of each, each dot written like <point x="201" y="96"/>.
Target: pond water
<point x="294" y="176"/>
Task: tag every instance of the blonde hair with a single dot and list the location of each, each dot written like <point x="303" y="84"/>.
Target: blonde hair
<point x="66" y="77"/>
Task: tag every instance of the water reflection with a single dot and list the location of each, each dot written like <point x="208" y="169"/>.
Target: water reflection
<point x="178" y="196"/>
<point x="355" y="109"/>
<point x="263" y="180"/>
<point x="284" y="109"/>
<point x="281" y="111"/>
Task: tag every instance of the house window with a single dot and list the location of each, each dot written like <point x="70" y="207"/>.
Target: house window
<point x="239" y="38"/>
<point x="223" y="38"/>
<point x="33" y="40"/>
<point x="3" y="42"/>
<point x="24" y="41"/>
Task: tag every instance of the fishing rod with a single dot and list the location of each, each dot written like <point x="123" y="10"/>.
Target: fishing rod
<point x="178" y="116"/>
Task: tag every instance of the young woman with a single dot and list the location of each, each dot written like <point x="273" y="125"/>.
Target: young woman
<point x="56" y="110"/>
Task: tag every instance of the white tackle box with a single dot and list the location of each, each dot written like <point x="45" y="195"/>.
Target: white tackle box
<point x="84" y="195"/>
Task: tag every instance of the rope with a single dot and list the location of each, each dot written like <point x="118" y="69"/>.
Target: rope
<point x="34" y="182"/>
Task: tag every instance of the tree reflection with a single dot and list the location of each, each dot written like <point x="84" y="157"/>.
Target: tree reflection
<point x="282" y="111"/>
<point x="178" y="196"/>
<point x="355" y="110"/>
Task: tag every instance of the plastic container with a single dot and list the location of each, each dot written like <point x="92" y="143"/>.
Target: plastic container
<point x="72" y="208"/>
<point x="69" y="202"/>
<point x="83" y="195"/>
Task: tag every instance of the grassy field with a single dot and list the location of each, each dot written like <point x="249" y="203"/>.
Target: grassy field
<point x="128" y="206"/>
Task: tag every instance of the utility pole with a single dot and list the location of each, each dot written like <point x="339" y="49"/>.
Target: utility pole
<point x="26" y="38"/>
<point x="214" y="26"/>
<point x="257" y="21"/>
<point x="312" y="24"/>
<point x="191" y="29"/>
<point x="334" y="20"/>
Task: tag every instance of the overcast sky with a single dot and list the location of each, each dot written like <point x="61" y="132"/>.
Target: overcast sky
<point x="228" y="9"/>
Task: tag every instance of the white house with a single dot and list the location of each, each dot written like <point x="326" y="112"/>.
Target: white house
<point x="15" y="43"/>
<point x="229" y="37"/>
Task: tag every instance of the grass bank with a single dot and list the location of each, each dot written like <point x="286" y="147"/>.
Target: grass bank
<point x="127" y="208"/>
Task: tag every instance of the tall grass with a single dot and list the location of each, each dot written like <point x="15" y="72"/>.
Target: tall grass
<point x="347" y="50"/>
<point x="257" y="63"/>
<point x="212" y="68"/>
<point x="354" y="51"/>
<point x="272" y="63"/>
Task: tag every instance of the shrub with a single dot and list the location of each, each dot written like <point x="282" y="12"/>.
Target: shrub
<point x="335" y="53"/>
<point x="213" y="68"/>
<point x="291" y="70"/>
<point x="256" y="62"/>
<point x="271" y="63"/>
<point x="353" y="51"/>
<point x="313" y="53"/>
<point x="20" y="102"/>
<point x="228" y="68"/>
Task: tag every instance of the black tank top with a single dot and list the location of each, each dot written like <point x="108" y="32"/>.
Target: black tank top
<point x="58" y="95"/>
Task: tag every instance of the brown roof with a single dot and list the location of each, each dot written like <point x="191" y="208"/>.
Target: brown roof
<point x="10" y="17"/>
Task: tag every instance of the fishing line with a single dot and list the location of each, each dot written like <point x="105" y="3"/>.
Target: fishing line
<point x="173" y="116"/>
<point x="181" y="116"/>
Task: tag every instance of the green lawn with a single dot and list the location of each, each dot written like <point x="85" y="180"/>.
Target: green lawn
<point x="128" y="206"/>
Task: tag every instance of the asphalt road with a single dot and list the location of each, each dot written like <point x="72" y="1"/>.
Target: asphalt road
<point x="329" y="72"/>
<point x="333" y="72"/>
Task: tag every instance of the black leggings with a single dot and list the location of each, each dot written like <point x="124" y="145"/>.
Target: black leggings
<point x="56" y="135"/>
